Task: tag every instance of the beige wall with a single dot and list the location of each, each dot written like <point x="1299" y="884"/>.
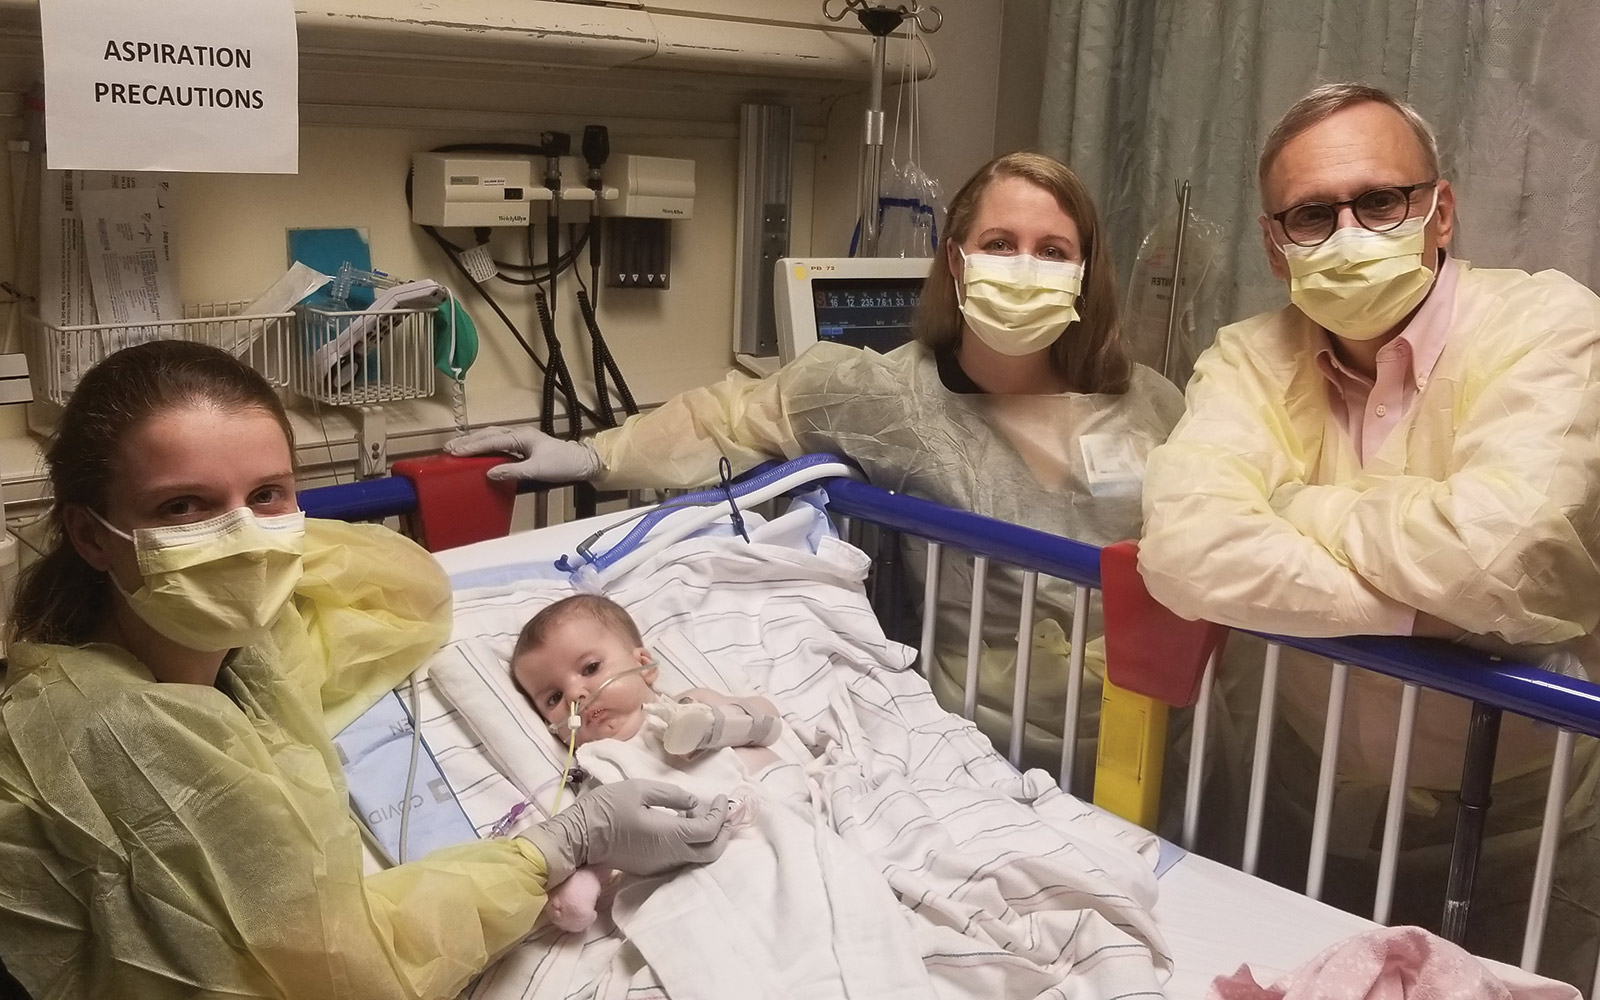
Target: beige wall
<point x="230" y="228"/>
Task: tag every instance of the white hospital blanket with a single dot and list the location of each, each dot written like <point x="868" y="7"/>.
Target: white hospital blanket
<point x="1011" y="887"/>
<point x="789" y="910"/>
<point x="1017" y="889"/>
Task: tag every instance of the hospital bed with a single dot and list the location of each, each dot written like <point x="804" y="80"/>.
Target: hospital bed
<point x="1213" y="917"/>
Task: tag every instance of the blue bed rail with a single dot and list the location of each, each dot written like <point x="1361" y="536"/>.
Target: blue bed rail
<point x="1027" y="548"/>
<point x="1521" y="688"/>
<point x="1518" y="687"/>
<point x="364" y="500"/>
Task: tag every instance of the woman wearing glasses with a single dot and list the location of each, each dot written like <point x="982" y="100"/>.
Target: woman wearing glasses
<point x="1410" y="447"/>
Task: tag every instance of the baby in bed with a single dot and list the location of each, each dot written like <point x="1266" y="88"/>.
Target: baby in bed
<point x="919" y="896"/>
<point x="583" y="664"/>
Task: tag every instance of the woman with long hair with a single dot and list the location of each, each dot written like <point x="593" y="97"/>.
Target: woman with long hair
<point x="1016" y="400"/>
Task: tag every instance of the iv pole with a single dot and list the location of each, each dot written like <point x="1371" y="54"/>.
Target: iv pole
<point x="1170" y="354"/>
<point x="881" y="22"/>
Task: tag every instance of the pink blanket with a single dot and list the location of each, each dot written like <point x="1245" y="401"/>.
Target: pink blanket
<point x="1392" y="963"/>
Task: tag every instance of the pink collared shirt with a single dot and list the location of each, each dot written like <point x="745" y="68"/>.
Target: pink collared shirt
<point x="1369" y="409"/>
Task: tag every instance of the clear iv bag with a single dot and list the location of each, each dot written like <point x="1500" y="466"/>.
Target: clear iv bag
<point x="1150" y="291"/>
<point x="910" y="210"/>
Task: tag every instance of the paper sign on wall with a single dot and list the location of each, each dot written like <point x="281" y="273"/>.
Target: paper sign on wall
<point x="193" y="85"/>
<point x="130" y="257"/>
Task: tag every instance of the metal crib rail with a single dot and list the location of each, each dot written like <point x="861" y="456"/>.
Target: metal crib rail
<point x="1490" y="683"/>
<point x="1518" y="687"/>
<point x="363" y="500"/>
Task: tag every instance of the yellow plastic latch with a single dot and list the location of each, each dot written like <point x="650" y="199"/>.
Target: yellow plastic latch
<point x="1133" y="740"/>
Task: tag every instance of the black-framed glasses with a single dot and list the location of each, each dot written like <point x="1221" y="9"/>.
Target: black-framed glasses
<point x="1379" y="210"/>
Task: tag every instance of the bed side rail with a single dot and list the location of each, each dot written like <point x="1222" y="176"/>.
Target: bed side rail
<point x="443" y="501"/>
<point x="1490" y="683"/>
<point x="1520" y="687"/>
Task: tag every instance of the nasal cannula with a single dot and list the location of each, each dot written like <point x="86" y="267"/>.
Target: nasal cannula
<point x="574" y="721"/>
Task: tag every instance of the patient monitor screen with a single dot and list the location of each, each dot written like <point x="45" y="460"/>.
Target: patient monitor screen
<point x="865" y="312"/>
<point x="862" y="302"/>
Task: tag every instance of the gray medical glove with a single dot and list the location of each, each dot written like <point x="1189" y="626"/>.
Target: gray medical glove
<point x="543" y="458"/>
<point x="619" y="827"/>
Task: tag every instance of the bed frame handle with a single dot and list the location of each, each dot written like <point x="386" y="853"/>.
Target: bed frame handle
<point x="1154" y="661"/>
<point x="457" y="503"/>
<point x="1149" y="649"/>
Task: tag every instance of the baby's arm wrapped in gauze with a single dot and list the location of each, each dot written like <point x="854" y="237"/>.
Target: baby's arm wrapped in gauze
<point x="702" y="719"/>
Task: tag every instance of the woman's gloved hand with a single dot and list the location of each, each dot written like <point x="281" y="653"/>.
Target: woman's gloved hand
<point x="620" y="826"/>
<point x="542" y="457"/>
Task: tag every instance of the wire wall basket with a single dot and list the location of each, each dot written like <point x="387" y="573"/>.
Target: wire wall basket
<point x="355" y="357"/>
<point x="58" y="356"/>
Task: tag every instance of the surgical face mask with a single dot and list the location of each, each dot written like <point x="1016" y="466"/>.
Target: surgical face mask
<point x="1020" y="304"/>
<point x="215" y="584"/>
<point x="1358" y="283"/>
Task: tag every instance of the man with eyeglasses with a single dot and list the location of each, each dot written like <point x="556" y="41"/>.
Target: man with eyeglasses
<point x="1410" y="447"/>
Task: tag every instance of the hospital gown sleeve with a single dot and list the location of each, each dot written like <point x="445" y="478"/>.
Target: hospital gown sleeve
<point x="499" y="883"/>
<point x="372" y="605"/>
<point x="1506" y="542"/>
<point x="177" y="845"/>
<point x="678" y="444"/>
<point x="1213" y="546"/>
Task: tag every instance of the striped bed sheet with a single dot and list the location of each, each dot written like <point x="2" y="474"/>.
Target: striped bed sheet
<point x="795" y="626"/>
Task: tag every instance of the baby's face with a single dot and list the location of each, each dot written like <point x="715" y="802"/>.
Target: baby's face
<point x="578" y="655"/>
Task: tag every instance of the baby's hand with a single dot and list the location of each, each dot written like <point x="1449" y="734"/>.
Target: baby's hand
<point x="693" y="726"/>
<point x="571" y="905"/>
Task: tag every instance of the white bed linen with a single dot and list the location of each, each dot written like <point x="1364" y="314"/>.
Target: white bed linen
<point x="1013" y="888"/>
<point x="789" y="910"/>
<point x="1217" y="918"/>
<point x="1214" y="918"/>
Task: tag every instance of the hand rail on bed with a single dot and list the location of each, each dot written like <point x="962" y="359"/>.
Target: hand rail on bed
<point x="374" y="499"/>
<point x="363" y="500"/>
<point x="1027" y="548"/>
<point x="1520" y="687"/>
<point x="1517" y="686"/>
<point x="1490" y="682"/>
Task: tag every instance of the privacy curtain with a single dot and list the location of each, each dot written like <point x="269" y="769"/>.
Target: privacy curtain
<point x="1141" y="93"/>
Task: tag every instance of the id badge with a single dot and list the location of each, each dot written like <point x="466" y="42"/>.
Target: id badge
<point x="1112" y="465"/>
